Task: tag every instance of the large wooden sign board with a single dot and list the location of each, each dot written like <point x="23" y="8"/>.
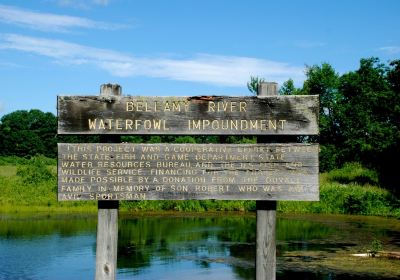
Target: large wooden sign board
<point x="167" y="171"/>
<point x="188" y="171"/>
<point x="199" y="115"/>
<point x="112" y="172"/>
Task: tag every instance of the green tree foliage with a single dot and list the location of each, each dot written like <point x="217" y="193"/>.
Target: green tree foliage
<point x="359" y="115"/>
<point x="324" y="81"/>
<point x="369" y="119"/>
<point x="185" y="139"/>
<point x="27" y="133"/>
<point x="252" y="85"/>
<point x="389" y="168"/>
<point x="359" y="120"/>
<point x="288" y="88"/>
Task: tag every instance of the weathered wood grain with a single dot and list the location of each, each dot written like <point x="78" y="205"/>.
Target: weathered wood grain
<point x="266" y="240"/>
<point x="107" y="240"/>
<point x="199" y="115"/>
<point x="187" y="171"/>
<point x="107" y="222"/>
<point x="266" y="213"/>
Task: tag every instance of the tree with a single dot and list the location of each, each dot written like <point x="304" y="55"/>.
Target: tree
<point x="389" y="168"/>
<point x="365" y="110"/>
<point x="359" y="115"/>
<point x="324" y="81"/>
<point x="27" y="133"/>
<point x="288" y="88"/>
<point x="370" y="115"/>
<point x="253" y="84"/>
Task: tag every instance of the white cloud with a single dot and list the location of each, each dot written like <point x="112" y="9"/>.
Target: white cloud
<point x="202" y="68"/>
<point x="390" y="49"/>
<point x="2" y="107"/>
<point x="49" y="22"/>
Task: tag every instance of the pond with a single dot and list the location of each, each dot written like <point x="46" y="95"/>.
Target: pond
<point x="196" y="247"/>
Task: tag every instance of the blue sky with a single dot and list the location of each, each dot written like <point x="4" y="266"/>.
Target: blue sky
<point x="181" y="48"/>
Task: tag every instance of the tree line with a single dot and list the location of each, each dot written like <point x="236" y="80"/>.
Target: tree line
<point x="359" y="115"/>
<point x="359" y="120"/>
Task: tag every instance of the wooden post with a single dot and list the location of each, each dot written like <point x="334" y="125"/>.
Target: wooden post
<point x="107" y="240"/>
<point x="266" y="216"/>
<point x="107" y="225"/>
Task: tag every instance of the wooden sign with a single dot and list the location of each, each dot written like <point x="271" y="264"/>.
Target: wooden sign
<point x="201" y="115"/>
<point x="186" y="171"/>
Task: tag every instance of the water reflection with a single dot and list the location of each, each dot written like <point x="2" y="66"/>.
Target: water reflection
<point x="218" y="247"/>
<point x="28" y="226"/>
<point x="46" y="247"/>
<point x="207" y="241"/>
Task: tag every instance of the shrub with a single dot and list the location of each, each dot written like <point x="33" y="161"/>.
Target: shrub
<point x="328" y="157"/>
<point x="35" y="171"/>
<point x="353" y="172"/>
<point x="375" y="247"/>
<point x="185" y="139"/>
<point x="13" y="160"/>
<point x="347" y="199"/>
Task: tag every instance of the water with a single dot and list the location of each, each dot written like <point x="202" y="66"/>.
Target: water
<point x="218" y="247"/>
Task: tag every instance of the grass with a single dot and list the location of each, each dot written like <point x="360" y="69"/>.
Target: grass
<point x="353" y="172"/>
<point x="351" y="198"/>
<point x="31" y="186"/>
<point x="8" y="171"/>
<point x="352" y="189"/>
<point x="189" y="205"/>
<point x="14" y="160"/>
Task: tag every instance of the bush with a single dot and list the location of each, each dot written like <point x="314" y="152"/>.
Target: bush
<point x="184" y="139"/>
<point x="241" y="140"/>
<point x="347" y="199"/>
<point x="35" y="171"/>
<point x="13" y="160"/>
<point x="375" y="247"/>
<point x="328" y="157"/>
<point x="353" y="172"/>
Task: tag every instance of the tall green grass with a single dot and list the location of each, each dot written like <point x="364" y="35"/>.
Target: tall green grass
<point x="7" y="171"/>
<point x="189" y="205"/>
<point x="14" y="160"/>
<point x="336" y="198"/>
<point x="352" y="189"/>
<point x="353" y="172"/>
<point x="31" y="185"/>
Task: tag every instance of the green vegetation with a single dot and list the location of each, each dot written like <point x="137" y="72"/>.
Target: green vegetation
<point x="353" y="172"/>
<point x="336" y="198"/>
<point x="29" y="185"/>
<point x="252" y="85"/>
<point x="189" y="205"/>
<point x="358" y="116"/>
<point x="375" y="247"/>
<point x="349" y="190"/>
<point x="358" y="122"/>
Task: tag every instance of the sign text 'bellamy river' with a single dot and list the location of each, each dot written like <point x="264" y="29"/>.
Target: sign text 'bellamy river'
<point x="198" y="115"/>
